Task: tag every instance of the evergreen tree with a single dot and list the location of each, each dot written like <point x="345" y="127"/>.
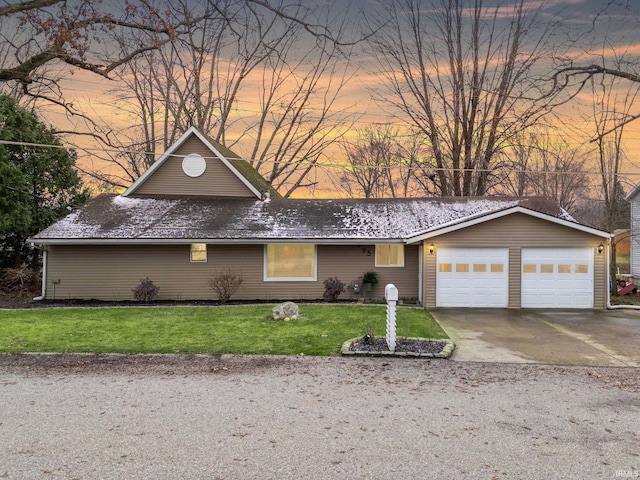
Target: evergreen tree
<point x="37" y="184"/>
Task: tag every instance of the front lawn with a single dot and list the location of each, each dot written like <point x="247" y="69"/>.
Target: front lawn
<point x="246" y="329"/>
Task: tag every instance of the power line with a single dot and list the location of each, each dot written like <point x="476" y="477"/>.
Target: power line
<point x="343" y="166"/>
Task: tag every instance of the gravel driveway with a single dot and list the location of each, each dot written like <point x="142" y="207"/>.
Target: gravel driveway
<point x="240" y="417"/>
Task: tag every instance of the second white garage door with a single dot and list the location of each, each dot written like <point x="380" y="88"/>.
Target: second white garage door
<point x="557" y="277"/>
<point x="472" y="277"/>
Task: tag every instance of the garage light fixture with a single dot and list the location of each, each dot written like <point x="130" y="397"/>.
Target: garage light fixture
<point x="600" y="248"/>
<point x="432" y="248"/>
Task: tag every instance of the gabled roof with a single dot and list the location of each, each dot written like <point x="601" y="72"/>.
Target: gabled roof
<point x="119" y="219"/>
<point x="634" y="191"/>
<point x="239" y="167"/>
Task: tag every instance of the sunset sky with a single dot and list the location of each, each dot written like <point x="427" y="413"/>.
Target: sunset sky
<point x="583" y="27"/>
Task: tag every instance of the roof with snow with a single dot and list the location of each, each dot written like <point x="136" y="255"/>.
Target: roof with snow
<point x="119" y="219"/>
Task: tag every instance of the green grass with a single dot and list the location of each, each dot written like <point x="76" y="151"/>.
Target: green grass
<point x="246" y="329"/>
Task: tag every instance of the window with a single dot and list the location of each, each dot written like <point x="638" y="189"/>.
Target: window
<point x="198" y="252"/>
<point x="564" y="268"/>
<point x="581" y="268"/>
<point x="529" y="268"/>
<point x="389" y="255"/>
<point x="480" y="267"/>
<point x="497" y="268"/>
<point x="546" y="268"/>
<point x="462" y="267"/>
<point x="445" y="268"/>
<point x="290" y="261"/>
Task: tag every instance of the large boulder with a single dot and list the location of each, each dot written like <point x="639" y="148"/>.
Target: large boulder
<point x="285" y="311"/>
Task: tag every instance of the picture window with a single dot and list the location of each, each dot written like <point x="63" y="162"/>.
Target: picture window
<point x="290" y="262"/>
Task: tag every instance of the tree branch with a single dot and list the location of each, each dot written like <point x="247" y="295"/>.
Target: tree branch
<point x="7" y="10"/>
<point x="319" y="31"/>
<point x="592" y="70"/>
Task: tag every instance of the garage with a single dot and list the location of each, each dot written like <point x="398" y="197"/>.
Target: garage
<point x="472" y="277"/>
<point x="557" y="278"/>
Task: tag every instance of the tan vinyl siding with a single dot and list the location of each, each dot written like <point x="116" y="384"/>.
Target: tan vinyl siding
<point x="110" y="272"/>
<point x="515" y="231"/>
<point x="217" y="180"/>
<point x="600" y="287"/>
<point x="515" y="277"/>
<point x="429" y="272"/>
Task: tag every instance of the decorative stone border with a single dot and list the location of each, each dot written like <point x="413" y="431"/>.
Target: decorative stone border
<point x="446" y="351"/>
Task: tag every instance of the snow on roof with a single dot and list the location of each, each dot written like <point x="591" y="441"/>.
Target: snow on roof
<point x="110" y="217"/>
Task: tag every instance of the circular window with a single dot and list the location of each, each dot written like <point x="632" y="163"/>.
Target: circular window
<point x="194" y="165"/>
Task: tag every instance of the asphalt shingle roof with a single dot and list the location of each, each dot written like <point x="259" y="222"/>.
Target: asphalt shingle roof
<point x="112" y="217"/>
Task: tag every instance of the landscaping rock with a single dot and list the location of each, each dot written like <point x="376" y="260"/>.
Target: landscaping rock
<point x="285" y="311"/>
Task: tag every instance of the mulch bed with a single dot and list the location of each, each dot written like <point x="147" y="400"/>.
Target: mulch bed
<point x="402" y="345"/>
<point x="405" y="347"/>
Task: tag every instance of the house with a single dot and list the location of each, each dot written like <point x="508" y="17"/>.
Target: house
<point x="200" y="209"/>
<point x="634" y="256"/>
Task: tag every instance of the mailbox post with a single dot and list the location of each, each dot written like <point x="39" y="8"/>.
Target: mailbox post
<point x="391" y="296"/>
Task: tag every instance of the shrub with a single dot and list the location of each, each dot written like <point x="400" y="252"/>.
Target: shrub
<point x="333" y="287"/>
<point x="20" y="281"/>
<point x="147" y="291"/>
<point x="369" y="279"/>
<point x="225" y="284"/>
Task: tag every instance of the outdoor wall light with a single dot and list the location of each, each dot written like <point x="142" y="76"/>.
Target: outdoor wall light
<point x="432" y="248"/>
<point x="600" y="248"/>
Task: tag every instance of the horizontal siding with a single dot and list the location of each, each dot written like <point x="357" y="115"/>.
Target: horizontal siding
<point x="635" y="238"/>
<point x="600" y="283"/>
<point x="515" y="232"/>
<point x="217" y="180"/>
<point x="515" y="277"/>
<point x="429" y="272"/>
<point x="109" y="273"/>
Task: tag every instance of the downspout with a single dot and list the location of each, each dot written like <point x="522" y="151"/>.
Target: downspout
<point x="609" y="306"/>
<point x="420" y="263"/>
<point x="44" y="276"/>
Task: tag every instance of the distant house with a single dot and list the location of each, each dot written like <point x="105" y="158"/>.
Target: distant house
<point x="200" y="209"/>
<point x="634" y="258"/>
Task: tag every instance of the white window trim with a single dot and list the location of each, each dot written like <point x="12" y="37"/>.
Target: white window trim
<point x="399" y="265"/>
<point x="206" y="251"/>
<point x="290" y="279"/>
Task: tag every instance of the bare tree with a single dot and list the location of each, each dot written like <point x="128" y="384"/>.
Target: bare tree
<point x="38" y="33"/>
<point x="543" y="164"/>
<point x="462" y="74"/>
<point x="612" y="103"/>
<point x="368" y="163"/>
<point x="611" y="107"/>
<point x="249" y="78"/>
<point x="379" y="163"/>
<point x="606" y="49"/>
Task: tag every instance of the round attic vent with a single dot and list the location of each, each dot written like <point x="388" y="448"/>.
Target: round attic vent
<point x="194" y="165"/>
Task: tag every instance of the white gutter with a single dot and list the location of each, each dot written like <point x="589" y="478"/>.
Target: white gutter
<point x="44" y="276"/>
<point x="219" y="241"/>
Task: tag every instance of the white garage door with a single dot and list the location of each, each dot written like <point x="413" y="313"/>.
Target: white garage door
<point x="472" y="277"/>
<point x="557" y="277"/>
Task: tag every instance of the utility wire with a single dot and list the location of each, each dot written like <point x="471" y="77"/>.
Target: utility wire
<point x="416" y="165"/>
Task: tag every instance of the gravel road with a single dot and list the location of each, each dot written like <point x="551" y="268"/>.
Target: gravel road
<point x="243" y="417"/>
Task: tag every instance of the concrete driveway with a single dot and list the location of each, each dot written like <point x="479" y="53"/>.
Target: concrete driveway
<point x="554" y="337"/>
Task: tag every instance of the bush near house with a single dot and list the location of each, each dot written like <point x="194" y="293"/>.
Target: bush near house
<point x="333" y="287"/>
<point x="146" y="292"/>
<point x="225" y="284"/>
